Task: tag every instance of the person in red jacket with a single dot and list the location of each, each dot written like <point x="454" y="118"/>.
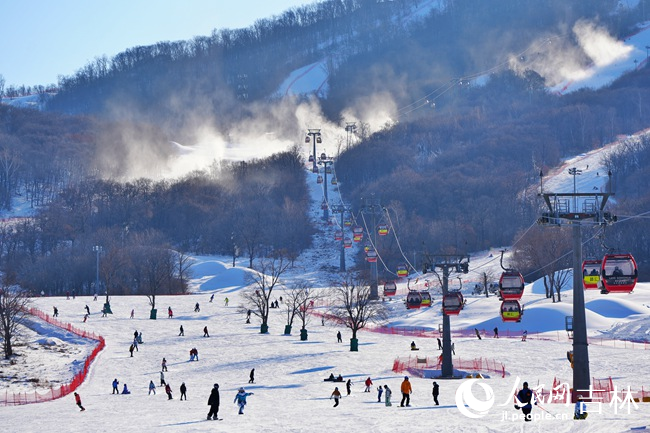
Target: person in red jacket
<point x="77" y="399"/>
<point x="406" y="392"/>
<point x="368" y="385"/>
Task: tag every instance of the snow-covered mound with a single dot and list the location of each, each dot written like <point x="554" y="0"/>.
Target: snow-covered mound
<point x="210" y="274"/>
<point x="616" y="307"/>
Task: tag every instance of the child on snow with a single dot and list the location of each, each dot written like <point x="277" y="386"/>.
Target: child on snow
<point x="336" y="395"/>
<point x="387" y="394"/>
<point x="240" y="399"/>
<point x="152" y="388"/>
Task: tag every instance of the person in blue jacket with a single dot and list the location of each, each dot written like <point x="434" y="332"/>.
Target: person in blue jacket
<point x="125" y="390"/>
<point x="525" y="401"/>
<point x="580" y="411"/>
<point x="240" y="399"/>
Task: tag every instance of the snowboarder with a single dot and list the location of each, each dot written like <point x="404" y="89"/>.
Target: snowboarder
<point x="115" y="390"/>
<point x="524" y="335"/>
<point x="164" y="364"/>
<point x="368" y="384"/>
<point x="240" y="399"/>
<point x="56" y="312"/>
<point x="496" y="332"/>
<point x="131" y="349"/>
<point x="252" y="376"/>
<point x="162" y="379"/>
<point x="413" y="346"/>
<point x="170" y="313"/>
<point x="183" y="391"/>
<point x="152" y="388"/>
<point x="205" y="332"/>
<point x="524" y="401"/>
<point x="182" y="333"/>
<point x="380" y="390"/>
<point x="339" y="339"/>
<point x="77" y="399"/>
<point x="436" y="392"/>
<point x="387" y="395"/>
<point x="196" y="308"/>
<point x="125" y="390"/>
<point x="348" y="386"/>
<point x="478" y="335"/>
<point x="212" y="297"/>
<point x="406" y="392"/>
<point x="168" y="390"/>
<point x="439" y="344"/>
<point x="213" y="402"/>
<point x="336" y="395"/>
<point x="580" y="411"/>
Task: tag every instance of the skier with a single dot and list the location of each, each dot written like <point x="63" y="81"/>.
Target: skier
<point x="132" y="313"/>
<point x="115" y="390"/>
<point x="212" y="297"/>
<point x="524" y="398"/>
<point x="162" y="379"/>
<point x="368" y="384"/>
<point x="252" y="376"/>
<point x="348" y="386"/>
<point x="205" y="332"/>
<point x="336" y="395"/>
<point x="152" y="388"/>
<point x="196" y="308"/>
<point x="164" y="364"/>
<point x="56" y="312"/>
<point x="496" y="332"/>
<point x="131" y="347"/>
<point x="380" y="390"/>
<point x="436" y="392"/>
<point x="387" y="394"/>
<point x="240" y="399"/>
<point x="524" y="335"/>
<point x="183" y="391"/>
<point x="125" y="390"/>
<point x="580" y="411"/>
<point x="168" y="390"/>
<point x="339" y="339"/>
<point x="439" y="344"/>
<point x="213" y="402"/>
<point x="226" y="301"/>
<point x="77" y="399"/>
<point x="182" y="333"/>
<point x="170" y="313"/>
<point x="406" y="392"/>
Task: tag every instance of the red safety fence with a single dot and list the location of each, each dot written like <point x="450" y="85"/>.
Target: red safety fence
<point x="602" y="391"/>
<point x="416" y="364"/>
<point x="13" y="399"/>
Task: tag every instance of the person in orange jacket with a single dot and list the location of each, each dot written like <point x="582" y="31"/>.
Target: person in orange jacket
<point x="406" y="392"/>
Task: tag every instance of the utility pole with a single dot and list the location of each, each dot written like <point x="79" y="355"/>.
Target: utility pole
<point x="447" y="263"/>
<point x="342" y="208"/>
<point x="585" y="206"/>
<point x="325" y="162"/>
<point x="314" y="136"/>
<point x="372" y="206"/>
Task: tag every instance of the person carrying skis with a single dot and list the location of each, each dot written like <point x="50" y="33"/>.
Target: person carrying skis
<point x="77" y="399"/>
<point x="152" y="388"/>
<point x="115" y="390"/>
<point x="580" y="411"/>
<point x="336" y="395"/>
<point x="435" y="393"/>
<point x="213" y="402"/>
<point x="183" y="391"/>
<point x="240" y="399"/>
<point x="380" y="390"/>
<point x="387" y="395"/>
<point x="368" y="384"/>
<point x="406" y="392"/>
<point x="524" y="401"/>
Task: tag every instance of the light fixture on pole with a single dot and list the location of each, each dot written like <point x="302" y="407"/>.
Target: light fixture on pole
<point x="314" y="136"/>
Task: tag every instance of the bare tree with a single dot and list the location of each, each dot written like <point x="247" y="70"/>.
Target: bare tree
<point x="267" y="277"/>
<point x="13" y="303"/>
<point x="354" y="307"/>
<point x="299" y="302"/>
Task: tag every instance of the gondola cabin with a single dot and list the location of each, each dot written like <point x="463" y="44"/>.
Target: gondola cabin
<point x="511" y="311"/>
<point x="334" y="181"/>
<point x="357" y="234"/>
<point x="319" y="179"/>
<point x="366" y="248"/>
<point x="511" y="285"/>
<point x="311" y="158"/>
<point x="591" y="274"/>
<point x="322" y="155"/>
<point x="371" y="256"/>
<point x="382" y="230"/>
<point x="319" y="140"/>
<point x="338" y="235"/>
<point x="323" y="205"/>
<point x="314" y="170"/>
<point x="618" y="273"/>
<point x="402" y="270"/>
<point x="413" y="300"/>
<point x="328" y="170"/>
<point x="390" y="288"/>
<point x="347" y="222"/>
<point x="426" y="298"/>
<point x="452" y="303"/>
<point x="347" y="243"/>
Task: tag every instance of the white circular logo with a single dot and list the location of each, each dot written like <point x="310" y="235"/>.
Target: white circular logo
<point x="465" y="399"/>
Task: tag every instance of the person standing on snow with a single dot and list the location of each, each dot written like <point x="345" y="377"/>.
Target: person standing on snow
<point x="183" y="391"/>
<point x="348" y="386"/>
<point x="368" y="384"/>
<point x="182" y="333"/>
<point x="213" y="402"/>
<point x="496" y="332"/>
<point x="436" y="392"/>
<point x="168" y="390"/>
<point x="336" y="395"/>
<point x="170" y="313"/>
<point x="196" y="308"/>
<point x="162" y="379"/>
<point x="339" y="338"/>
<point x="131" y="347"/>
<point x="212" y="297"/>
<point x="152" y="388"/>
<point x="380" y="390"/>
<point x="115" y="390"/>
<point x="387" y="395"/>
<point x="406" y="392"/>
<point x="240" y="399"/>
<point x="77" y="399"/>
<point x="524" y="401"/>
<point x="163" y="364"/>
<point x="252" y="376"/>
<point x="205" y="332"/>
<point x="580" y="411"/>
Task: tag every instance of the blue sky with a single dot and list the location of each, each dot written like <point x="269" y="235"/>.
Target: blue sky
<point x="42" y="39"/>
